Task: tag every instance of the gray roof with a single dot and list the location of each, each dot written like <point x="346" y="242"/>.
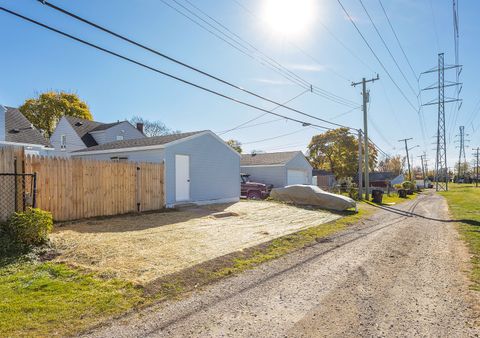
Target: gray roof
<point x="19" y="129"/>
<point x="268" y="158"/>
<point x="140" y="142"/>
<point x="83" y="128"/>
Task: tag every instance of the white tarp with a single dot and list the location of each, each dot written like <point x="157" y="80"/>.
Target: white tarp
<point x="312" y="195"/>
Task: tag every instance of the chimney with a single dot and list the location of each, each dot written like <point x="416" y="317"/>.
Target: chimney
<point x="140" y="127"/>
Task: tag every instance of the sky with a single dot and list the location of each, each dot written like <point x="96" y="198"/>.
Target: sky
<point x="313" y="40"/>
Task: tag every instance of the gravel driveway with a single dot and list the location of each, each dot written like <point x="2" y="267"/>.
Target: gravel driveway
<point x="141" y="248"/>
<point x="399" y="274"/>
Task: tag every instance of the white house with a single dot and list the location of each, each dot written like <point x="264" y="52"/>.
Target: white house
<point x="200" y="167"/>
<point x="73" y="133"/>
<point x="279" y="169"/>
<point x="16" y="130"/>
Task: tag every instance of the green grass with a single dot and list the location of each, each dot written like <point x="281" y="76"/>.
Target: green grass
<point x="46" y="299"/>
<point x="464" y="203"/>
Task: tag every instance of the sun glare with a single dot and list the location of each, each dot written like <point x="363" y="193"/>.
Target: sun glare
<point x="289" y="18"/>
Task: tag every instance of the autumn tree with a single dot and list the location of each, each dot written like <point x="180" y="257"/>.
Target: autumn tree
<point x="337" y="151"/>
<point x="45" y="110"/>
<point x="394" y="164"/>
<point x="235" y="145"/>
<point x="153" y="128"/>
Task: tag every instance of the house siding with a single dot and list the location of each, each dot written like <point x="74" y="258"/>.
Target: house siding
<point x="3" y="110"/>
<point x="214" y="169"/>
<point x="275" y="175"/>
<point x="153" y="155"/>
<point x="110" y="134"/>
<point x="74" y="142"/>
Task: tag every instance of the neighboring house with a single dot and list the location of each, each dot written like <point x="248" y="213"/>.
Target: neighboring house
<point x="323" y="179"/>
<point x="383" y="179"/>
<point x="279" y="169"/>
<point x="73" y="133"/>
<point x="199" y="166"/>
<point x="16" y="130"/>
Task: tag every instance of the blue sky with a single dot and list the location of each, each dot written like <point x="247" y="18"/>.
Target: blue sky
<point x="35" y="60"/>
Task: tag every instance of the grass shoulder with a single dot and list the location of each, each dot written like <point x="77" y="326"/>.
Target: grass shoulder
<point x="463" y="201"/>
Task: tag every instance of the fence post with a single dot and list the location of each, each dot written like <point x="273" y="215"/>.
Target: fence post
<point x="137" y="189"/>
<point x="34" y="190"/>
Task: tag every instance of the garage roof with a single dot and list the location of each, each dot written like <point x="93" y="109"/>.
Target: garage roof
<point x="268" y="158"/>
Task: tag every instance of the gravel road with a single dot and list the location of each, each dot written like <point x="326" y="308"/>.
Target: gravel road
<point x="401" y="273"/>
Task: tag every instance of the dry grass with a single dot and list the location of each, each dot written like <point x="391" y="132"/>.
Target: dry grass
<point x="146" y="247"/>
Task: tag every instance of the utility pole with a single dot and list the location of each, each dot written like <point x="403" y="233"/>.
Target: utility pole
<point x="476" y="154"/>
<point x="360" y="178"/>
<point x="366" y="95"/>
<point x="408" y="158"/>
<point x="423" y="171"/>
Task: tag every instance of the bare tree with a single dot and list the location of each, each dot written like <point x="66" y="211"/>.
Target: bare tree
<point x="153" y="128"/>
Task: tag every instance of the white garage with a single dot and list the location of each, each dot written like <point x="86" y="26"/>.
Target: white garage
<point x="278" y="169"/>
<point x="295" y="176"/>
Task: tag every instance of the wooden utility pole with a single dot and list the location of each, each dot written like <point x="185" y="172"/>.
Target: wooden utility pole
<point x="360" y="178"/>
<point x="408" y="158"/>
<point x="365" y="95"/>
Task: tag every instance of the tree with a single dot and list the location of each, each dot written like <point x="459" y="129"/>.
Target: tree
<point x="235" y="145"/>
<point x="337" y="151"/>
<point x="45" y="110"/>
<point x="394" y="164"/>
<point x="153" y="128"/>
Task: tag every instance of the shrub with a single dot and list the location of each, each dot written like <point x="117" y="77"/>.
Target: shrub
<point x="30" y="227"/>
<point x="408" y="185"/>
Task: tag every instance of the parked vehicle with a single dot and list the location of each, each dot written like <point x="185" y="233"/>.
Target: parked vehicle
<point x="253" y="190"/>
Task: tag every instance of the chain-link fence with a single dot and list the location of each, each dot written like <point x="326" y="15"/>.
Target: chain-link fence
<point x="17" y="192"/>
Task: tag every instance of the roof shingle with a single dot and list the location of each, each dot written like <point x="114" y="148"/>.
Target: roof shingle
<point x="140" y="142"/>
<point x="268" y="158"/>
<point x="19" y="129"/>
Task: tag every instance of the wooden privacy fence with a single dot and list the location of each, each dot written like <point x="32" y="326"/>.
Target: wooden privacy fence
<point x="78" y="188"/>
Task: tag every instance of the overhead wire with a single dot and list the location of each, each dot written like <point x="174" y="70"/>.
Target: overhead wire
<point x="375" y="55"/>
<point x="156" y="70"/>
<point x="250" y="48"/>
<point x="162" y="55"/>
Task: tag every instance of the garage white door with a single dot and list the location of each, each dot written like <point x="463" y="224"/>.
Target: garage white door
<point x="296" y="177"/>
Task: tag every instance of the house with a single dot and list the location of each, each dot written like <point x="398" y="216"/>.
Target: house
<point x="200" y="167"/>
<point x="279" y="169"/>
<point x="323" y="179"/>
<point x="73" y="133"/>
<point x="383" y="179"/>
<point x="16" y="130"/>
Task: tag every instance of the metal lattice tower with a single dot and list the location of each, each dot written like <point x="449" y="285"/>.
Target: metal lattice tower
<point x="461" y="155"/>
<point x="441" y="168"/>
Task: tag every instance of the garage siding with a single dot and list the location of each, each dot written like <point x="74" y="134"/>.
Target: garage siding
<point x="152" y="155"/>
<point x="214" y="169"/>
<point x="299" y="162"/>
<point x="276" y="175"/>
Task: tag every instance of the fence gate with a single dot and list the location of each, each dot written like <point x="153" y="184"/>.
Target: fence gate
<point x="17" y="192"/>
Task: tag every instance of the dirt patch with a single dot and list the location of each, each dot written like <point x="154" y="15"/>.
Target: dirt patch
<point x="143" y="248"/>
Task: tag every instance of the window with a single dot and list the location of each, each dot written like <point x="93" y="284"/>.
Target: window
<point x="63" y="142"/>
<point x="119" y="137"/>
<point x="119" y="159"/>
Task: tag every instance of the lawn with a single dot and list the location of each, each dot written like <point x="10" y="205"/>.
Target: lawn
<point x="53" y="299"/>
<point x="464" y="203"/>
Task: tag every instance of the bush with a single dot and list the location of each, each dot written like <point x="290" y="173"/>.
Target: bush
<point x="408" y="185"/>
<point x="30" y="227"/>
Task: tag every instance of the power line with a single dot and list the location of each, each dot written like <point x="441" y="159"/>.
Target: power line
<point x="164" y="73"/>
<point x="249" y="49"/>
<point x="387" y="48"/>
<point x="275" y="137"/>
<point x="375" y="55"/>
<point x="261" y="115"/>
<point x="157" y="53"/>
<point x="398" y="40"/>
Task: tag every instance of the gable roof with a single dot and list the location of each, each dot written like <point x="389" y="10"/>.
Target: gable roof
<point x="83" y="128"/>
<point x="140" y="142"/>
<point x="268" y="158"/>
<point x="18" y="129"/>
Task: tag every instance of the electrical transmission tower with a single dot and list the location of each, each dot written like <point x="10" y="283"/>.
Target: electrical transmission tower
<point x="461" y="154"/>
<point x="476" y="154"/>
<point x="441" y="168"/>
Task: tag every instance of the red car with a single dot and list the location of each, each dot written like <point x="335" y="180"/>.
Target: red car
<point x="253" y="190"/>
